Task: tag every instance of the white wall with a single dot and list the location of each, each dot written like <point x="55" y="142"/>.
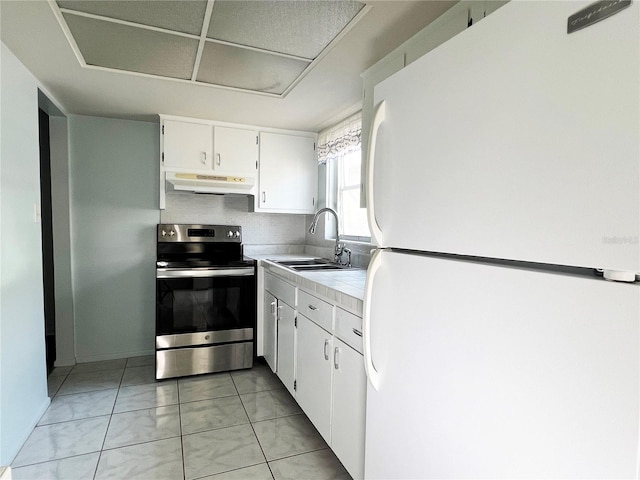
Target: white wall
<point x="114" y="212"/>
<point x="23" y="383"/>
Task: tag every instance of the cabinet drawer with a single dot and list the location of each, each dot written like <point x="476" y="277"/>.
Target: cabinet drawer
<point x="315" y="309"/>
<point x="349" y="329"/>
<point x="280" y="289"/>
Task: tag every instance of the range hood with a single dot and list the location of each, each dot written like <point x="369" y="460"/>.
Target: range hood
<point x="215" y="184"/>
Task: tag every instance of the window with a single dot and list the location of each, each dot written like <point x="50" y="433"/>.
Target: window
<point x="339" y="149"/>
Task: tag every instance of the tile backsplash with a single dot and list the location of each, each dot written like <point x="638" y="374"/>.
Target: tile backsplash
<point x="257" y="228"/>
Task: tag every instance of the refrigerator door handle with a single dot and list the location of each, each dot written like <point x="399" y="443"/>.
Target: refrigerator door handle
<point x="370" y="370"/>
<point x="378" y="118"/>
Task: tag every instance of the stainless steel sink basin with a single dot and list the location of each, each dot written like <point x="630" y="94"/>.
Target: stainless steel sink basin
<point x="309" y="268"/>
<point x="303" y="262"/>
<point x="310" y="264"/>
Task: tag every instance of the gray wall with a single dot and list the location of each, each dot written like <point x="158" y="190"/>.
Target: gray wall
<point x="114" y="212"/>
<point x="23" y="382"/>
<point x="257" y="228"/>
<point x="65" y="349"/>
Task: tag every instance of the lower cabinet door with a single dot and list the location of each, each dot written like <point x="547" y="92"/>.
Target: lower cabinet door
<point x="349" y="397"/>
<point x="269" y="329"/>
<point x="286" y="345"/>
<point x="314" y="364"/>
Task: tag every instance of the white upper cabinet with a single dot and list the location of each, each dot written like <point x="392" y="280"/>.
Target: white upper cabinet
<point x="288" y="178"/>
<point x="216" y="157"/>
<point x="235" y="151"/>
<point x="187" y="145"/>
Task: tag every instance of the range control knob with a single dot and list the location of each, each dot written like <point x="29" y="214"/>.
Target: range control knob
<point x="172" y="233"/>
<point x="237" y="233"/>
<point x="163" y="233"/>
<point x="230" y="234"/>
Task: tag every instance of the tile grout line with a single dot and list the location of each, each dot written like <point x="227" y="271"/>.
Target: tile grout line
<point x="184" y="467"/>
<point x="104" y="440"/>
<point x="253" y="429"/>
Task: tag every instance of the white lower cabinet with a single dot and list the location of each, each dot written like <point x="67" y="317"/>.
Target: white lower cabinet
<point x="313" y="378"/>
<point x="315" y="349"/>
<point x="348" y="407"/>
<point x="286" y="345"/>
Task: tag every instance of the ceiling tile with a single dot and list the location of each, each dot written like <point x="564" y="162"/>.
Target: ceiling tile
<point x="122" y="47"/>
<point x="243" y="68"/>
<point x="175" y="15"/>
<point x="301" y="28"/>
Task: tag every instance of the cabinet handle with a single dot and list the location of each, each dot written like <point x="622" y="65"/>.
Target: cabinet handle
<point x="311" y="307"/>
<point x="326" y="352"/>
<point x="357" y="332"/>
<point x="273" y="308"/>
<point x="264" y="197"/>
<point x="219" y="159"/>
<point x="204" y="158"/>
<point x="335" y="358"/>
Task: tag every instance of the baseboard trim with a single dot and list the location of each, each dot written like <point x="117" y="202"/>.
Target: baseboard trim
<point x="113" y="356"/>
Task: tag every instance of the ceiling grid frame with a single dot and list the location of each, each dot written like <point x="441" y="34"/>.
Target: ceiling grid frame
<point x="202" y="42"/>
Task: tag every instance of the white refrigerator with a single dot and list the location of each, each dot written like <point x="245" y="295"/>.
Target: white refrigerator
<point x="503" y="187"/>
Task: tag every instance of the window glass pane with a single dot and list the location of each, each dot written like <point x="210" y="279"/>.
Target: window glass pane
<point x="353" y="219"/>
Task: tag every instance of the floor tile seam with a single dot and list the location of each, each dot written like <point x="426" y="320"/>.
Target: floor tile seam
<point x="301" y="453"/>
<point x="73" y="374"/>
<point x="211" y="398"/>
<point x="15" y="467"/>
<point x="255" y="434"/>
<point x="279" y="416"/>
<point x="141" y="442"/>
<point x="215" y="428"/>
<point x="235" y="470"/>
<point x="143" y="408"/>
<point x="69" y="421"/>
<point x="72" y="420"/>
<point x="262" y="391"/>
<point x="184" y="468"/>
<point x="232" y="470"/>
<point x="84" y="391"/>
<point x="298" y="454"/>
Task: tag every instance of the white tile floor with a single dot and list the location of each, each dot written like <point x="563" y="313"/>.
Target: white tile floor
<point x="112" y="420"/>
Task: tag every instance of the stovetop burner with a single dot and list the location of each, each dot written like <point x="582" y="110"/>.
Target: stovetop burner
<point x="200" y="246"/>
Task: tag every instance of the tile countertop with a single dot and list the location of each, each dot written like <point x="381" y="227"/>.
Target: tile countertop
<point x="345" y="288"/>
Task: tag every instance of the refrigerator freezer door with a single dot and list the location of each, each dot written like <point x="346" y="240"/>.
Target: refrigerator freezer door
<point x="517" y="140"/>
<point x="495" y="372"/>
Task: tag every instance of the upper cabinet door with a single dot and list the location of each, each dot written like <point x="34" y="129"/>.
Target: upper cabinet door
<point x="187" y="145"/>
<point x="235" y="151"/>
<point x="288" y="173"/>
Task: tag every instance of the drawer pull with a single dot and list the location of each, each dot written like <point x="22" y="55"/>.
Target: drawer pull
<point x="357" y="332"/>
<point x="311" y="307"/>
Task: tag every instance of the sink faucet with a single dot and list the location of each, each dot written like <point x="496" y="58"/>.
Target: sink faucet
<point x="339" y="247"/>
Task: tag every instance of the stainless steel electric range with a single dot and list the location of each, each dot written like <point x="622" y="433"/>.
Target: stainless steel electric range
<point x="205" y="301"/>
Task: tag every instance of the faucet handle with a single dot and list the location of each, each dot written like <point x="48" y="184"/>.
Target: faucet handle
<point x="348" y="252"/>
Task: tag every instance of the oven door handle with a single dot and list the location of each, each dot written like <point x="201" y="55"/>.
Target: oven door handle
<point x="204" y="272"/>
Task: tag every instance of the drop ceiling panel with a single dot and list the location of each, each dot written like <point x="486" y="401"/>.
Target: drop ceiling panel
<point x="122" y="47"/>
<point x="301" y="28"/>
<point x="248" y="69"/>
<point x="175" y="15"/>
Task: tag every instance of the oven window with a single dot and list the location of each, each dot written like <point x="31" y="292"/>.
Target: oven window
<point x="188" y="305"/>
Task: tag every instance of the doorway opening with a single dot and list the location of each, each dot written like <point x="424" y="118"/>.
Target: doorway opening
<point x="47" y="240"/>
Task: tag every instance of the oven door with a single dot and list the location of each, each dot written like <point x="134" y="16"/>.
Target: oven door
<point x="204" y="306"/>
<point x="205" y="320"/>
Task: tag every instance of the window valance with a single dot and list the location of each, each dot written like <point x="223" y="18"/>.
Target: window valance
<point x="340" y="139"/>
